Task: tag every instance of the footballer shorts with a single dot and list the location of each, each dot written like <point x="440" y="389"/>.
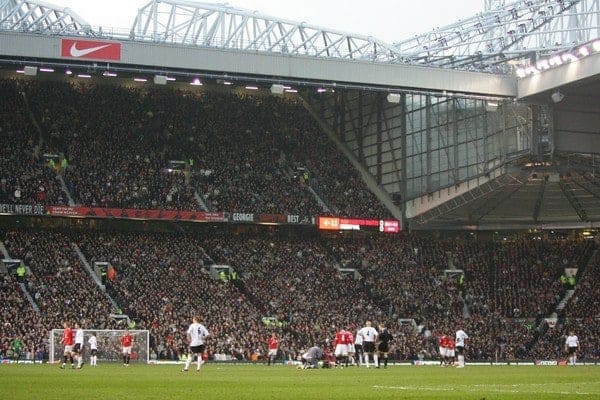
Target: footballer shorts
<point x="197" y="349"/>
<point x="369" y="347"/>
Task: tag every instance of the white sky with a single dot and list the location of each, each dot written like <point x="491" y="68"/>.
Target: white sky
<point x="388" y="20"/>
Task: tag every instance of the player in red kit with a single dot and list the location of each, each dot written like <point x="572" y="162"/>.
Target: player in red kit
<point x="342" y="339"/>
<point x="273" y="343"/>
<point x="68" y="340"/>
<point x="450" y="351"/>
<point x="350" y="344"/>
<point x="443" y="347"/>
<point x="126" y="343"/>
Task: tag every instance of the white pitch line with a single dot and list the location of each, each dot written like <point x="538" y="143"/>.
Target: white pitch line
<point x="482" y="388"/>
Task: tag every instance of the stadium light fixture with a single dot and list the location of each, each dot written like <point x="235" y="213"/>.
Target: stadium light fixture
<point x="393" y="98"/>
<point x="85" y="76"/>
<point x="140" y="80"/>
<point x="30" y="71"/>
<point x="250" y="87"/>
<point x="277" y="88"/>
<point x="557" y="96"/>
<point x="559" y="59"/>
<point x="171" y="79"/>
<point x="542" y="65"/>
<point x="160" y="79"/>
<point x="109" y="74"/>
<point x="227" y="83"/>
<point x="46" y="69"/>
<point x="321" y="90"/>
<point x="568" y="57"/>
<point x="555" y="61"/>
<point x="68" y="72"/>
<point x="291" y="90"/>
<point x="531" y="70"/>
<point x="196" y="82"/>
<point x="491" y="106"/>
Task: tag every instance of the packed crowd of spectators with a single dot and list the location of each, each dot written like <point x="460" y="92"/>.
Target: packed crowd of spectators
<point x="25" y="178"/>
<point x="330" y="173"/>
<point x="553" y="340"/>
<point x="409" y="275"/>
<point x="19" y="321"/>
<point x="240" y="153"/>
<point x="586" y="299"/>
<point x="57" y="283"/>
<point x="296" y="281"/>
<point x="162" y="279"/>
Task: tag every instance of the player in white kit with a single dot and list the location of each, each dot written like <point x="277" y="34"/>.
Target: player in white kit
<point x="461" y="337"/>
<point x="93" y="342"/>
<point x="196" y="334"/>
<point x="571" y="346"/>
<point x="369" y="336"/>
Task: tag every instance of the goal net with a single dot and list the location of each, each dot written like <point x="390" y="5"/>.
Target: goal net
<point x="109" y="345"/>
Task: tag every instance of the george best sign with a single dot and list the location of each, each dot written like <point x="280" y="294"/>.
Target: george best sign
<point x="242" y="217"/>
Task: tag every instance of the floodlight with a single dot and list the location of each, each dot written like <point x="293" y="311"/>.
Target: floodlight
<point x="491" y="106"/>
<point x="30" y="71"/>
<point x="393" y="98"/>
<point x="277" y="89"/>
<point x="557" y="97"/>
<point x="160" y="79"/>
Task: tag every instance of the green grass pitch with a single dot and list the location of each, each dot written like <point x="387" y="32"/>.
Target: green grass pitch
<point x="226" y="381"/>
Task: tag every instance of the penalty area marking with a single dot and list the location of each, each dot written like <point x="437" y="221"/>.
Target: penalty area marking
<point x="486" y="388"/>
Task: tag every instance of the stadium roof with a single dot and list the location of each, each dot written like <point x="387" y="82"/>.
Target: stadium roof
<point x="488" y="41"/>
<point x="41" y="17"/>
<point x="506" y="31"/>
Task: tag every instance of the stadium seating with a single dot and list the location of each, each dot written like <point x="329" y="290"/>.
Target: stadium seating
<point x="239" y="153"/>
<point x="158" y="149"/>
<point x="164" y="278"/>
<point x="25" y="177"/>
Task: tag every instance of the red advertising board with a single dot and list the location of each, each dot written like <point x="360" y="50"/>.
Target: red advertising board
<point x="391" y="226"/>
<point x="90" y="49"/>
<point x="126" y="213"/>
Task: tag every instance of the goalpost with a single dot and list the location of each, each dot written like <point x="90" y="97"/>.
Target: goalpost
<point x="109" y="345"/>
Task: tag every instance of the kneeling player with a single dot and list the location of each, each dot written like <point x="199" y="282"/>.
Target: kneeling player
<point x="311" y="358"/>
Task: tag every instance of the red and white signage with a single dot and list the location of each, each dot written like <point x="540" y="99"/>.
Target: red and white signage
<point x="90" y="49"/>
<point x="392" y="226"/>
<point x="357" y="224"/>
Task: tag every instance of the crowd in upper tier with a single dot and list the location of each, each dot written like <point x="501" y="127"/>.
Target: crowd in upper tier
<point x="294" y="286"/>
<point x="122" y="147"/>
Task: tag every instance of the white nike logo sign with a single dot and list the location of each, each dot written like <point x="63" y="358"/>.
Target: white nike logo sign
<point x="75" y="52"/>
